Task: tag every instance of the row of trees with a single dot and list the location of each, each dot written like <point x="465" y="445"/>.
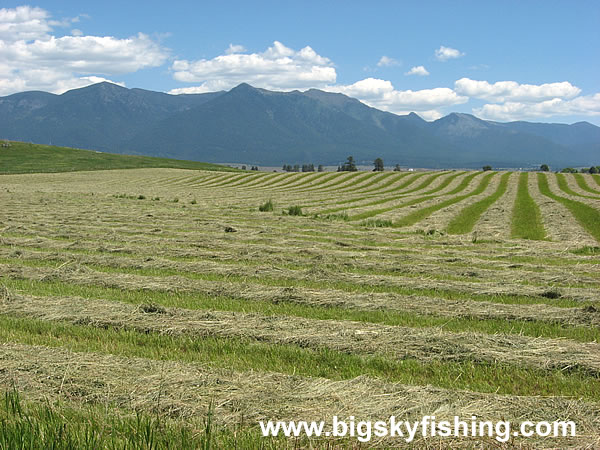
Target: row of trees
<point x="593" y="169"/>
<point x="303" y="168"/>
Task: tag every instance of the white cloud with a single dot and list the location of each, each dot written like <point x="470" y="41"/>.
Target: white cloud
<point x="278" y="67"/>
<point x="446" y="53"/>
<point x="76" y="32"/>
<point x="386" y="61"/>
<point x="235" y="49"/>
<point x="418" y="70"/>
<point x="381" y="94"/>
<point x="503" y="91"/>
<point x="585" y="106"/>
<point x="35" y="59"/>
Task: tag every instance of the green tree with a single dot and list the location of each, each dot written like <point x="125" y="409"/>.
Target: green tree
<point x="348" y="166"/>
<point x="378" y="163"/>
<point x="397" y="168"/>
<point x="545" y="168"/>
<point x="486" y="168"/>
<point x="594" y="169"/>
<point x="321" y="168"/>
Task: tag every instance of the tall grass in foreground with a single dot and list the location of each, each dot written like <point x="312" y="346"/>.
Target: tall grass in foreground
<point x="31" y="425"/>
<point x="587" y="216"/>
<point x="468" y="217"/>
<point x="526" y="217"/>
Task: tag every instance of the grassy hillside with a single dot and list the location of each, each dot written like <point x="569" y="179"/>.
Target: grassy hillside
<point x="22" y="157"/>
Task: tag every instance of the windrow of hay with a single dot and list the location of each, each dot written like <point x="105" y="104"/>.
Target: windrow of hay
<point x="470" y="282"/>
<point x="80" y="275"/>
<point x="182" y="390"/>
<point x="393" y="268"/>
<point x="398" y="343"/>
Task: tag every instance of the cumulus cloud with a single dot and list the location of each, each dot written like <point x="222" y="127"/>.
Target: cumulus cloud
<point x="503" y="91"/>
<point x="446" y="53"/>
<point x="418" y="70"/>
<point x="381" y="94"/>
<point x="386" y="61"/>
<point x="34" y="58"/>
<point x="279" y="67"/>
<point x="585" y="106"/>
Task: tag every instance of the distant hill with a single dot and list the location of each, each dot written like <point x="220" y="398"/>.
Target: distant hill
<point x="261" y="127"/>
<point x="20" y="157"/>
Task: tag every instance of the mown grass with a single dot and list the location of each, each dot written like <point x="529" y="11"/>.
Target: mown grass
<point x="564" y="186"/>
<point x="23" y="157"/>
<point x="374" y="212"/>
<point x="201" y="301"/>
<point x="243" y="354"/>
<point x="468" y="217"/>
<point x="526" y="217"/>
<point x="422" y="213"/>
<point x="582" y="183"/>
<point x="293" y="282"/>
<point x="587" y="216"/>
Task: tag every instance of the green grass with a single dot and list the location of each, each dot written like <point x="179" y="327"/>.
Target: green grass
<point x="30" y="158"/>
<point x="587" y="216"/>
<point x="242" y="354"/>
<point x="526" y="218"/>
<point x="421" y="214"/>
<point x="468" y="217"/>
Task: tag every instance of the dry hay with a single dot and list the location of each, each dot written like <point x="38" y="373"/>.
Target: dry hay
<point x="182" y="390"/>
<point x="425" y="344"/>
<point x="559" y="223"/>
<point x="318" y="297"/>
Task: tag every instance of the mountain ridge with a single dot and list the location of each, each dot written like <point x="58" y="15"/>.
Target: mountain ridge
<point x="262" y="127"/>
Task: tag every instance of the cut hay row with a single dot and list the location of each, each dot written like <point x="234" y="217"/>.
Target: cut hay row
<point x="334" y="257"/>
<point x="396" y="343"/>
<point x="395" y="209"/>
<point x="400" y="195"/>
<point x="585" y="184"/>
<point x="180" y="261"/>
<point x="423" y="213"/>
<point x="563" y="184"/>
<point x="587" y="216"/>
<point x="186" y="390"/>
<point x="468" y="217"/>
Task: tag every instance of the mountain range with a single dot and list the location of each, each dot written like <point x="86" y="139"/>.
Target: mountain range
<point x="261" y="127"/>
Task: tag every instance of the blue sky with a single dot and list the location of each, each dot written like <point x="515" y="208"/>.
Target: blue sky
<point x="500" y="60"/>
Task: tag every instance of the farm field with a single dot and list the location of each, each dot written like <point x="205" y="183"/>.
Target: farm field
<point x="159" y="306"/>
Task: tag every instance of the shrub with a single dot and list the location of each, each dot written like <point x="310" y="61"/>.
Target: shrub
<point x="294" y="211"/>
<point x="141" y="197"/>
<point x="266" y="206"/>
<point x="193" y="202"/>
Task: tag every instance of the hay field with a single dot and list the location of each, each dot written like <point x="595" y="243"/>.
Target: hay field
<point x="149" y="307"/>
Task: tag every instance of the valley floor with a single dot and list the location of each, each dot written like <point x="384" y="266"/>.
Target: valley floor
<point x="159" y="307"/>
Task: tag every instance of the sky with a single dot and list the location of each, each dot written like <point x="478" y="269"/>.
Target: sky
<point x="499" y="60"/>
